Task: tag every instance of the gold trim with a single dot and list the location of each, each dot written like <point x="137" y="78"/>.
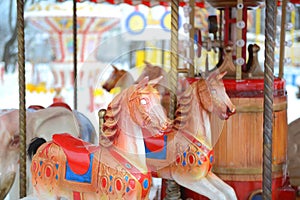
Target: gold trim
<point x="244" y="171"/>
<point x="259" y="108"/>
<point x="259" y="191"/>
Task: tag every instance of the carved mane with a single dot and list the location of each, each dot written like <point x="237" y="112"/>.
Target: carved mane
<point x="183" y="108"/>
<point x="111" y="119"/>
<point x="204" y="98"/>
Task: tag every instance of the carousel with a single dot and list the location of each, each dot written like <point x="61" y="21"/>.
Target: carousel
<point x="214" y="131"/>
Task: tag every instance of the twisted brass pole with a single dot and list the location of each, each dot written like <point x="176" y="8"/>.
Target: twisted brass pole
<point x="22" y="92"/>
<point x="282" y="39"/>
<point x="270" y="24"/>
<point x="173" y="190"/>
<point x="75" y="52"/>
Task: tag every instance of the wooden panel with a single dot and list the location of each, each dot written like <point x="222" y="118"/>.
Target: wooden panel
<point x="239" y="150"/>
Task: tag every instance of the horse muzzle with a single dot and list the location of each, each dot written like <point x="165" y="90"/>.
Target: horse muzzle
<point x="231" y="111"/>
<point x="6" y="182"/>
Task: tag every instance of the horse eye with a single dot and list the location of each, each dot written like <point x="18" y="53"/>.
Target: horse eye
<point x="143" y="101"/>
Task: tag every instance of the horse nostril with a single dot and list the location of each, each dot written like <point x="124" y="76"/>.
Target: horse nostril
<point x="230" y="112"/>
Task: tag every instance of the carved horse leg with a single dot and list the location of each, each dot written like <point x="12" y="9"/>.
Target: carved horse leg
<point x="217" y="182"/>
<point x="203" y="185"/>
<point x="210" y="185"/>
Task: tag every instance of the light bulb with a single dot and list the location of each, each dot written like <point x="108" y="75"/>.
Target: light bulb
<point x="289" y="26"/>
<point x="288" y="43"/>
<point x="290" y="7"/>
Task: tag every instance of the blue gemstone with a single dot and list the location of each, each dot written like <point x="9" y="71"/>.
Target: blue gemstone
<point x="127" y="189"/>
<point x="126" y="178"/>
<point x="128" y="165"/>
<point x="56" y="177"/>
<point x="41" y="162"/>
<point x="184" y="154"/>
<point x="110" y="188"/>
<point x="146" y="184"/>
<point x="56" y="165"/>
<point x="183" y="163"/>
<point x="211" y="159"/>
<point x="199" y="162"/>
<point x="110" y="177"/>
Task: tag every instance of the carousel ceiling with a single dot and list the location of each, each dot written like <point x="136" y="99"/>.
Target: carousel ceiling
<point x="149" y="3"/>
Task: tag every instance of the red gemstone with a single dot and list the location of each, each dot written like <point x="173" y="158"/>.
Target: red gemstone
<point x="118" y="184"/>
<point x="48" y="171"/>
<point x="191" y="159"/>
<point x="178" y="159"/>
<point x="132" y="184"/>
<point x="103" y="182"/>
<point x="34" y="167"/>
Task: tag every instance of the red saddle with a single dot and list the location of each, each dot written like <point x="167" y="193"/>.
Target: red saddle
<point x="77" y="151"/>
<point x="153" y="143"/>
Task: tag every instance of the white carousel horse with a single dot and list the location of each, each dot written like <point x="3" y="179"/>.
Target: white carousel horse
<point x="70" y="168"/>
<point x="39" y="123"/>
<point x="185" y="154"/>
<point x="189" y="151"/>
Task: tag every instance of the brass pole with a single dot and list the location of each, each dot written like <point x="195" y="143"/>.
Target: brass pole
<point x="22" y="94"/>
<point x="282" y="39"/>
<point x="75" y="52"/>
<point x="270" y="32"/>
<point x="191" y="39"/>
<point x="173" y="190"/>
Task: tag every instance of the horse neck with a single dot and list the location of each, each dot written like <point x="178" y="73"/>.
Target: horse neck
<point x="197" y="119"/>
<point x="130" y="138"/>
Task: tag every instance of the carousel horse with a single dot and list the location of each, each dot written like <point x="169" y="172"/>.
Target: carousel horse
<point x="71" y="168"/>
<point x="118" y="78"/>
<point x="185" y="154"/>
<point x="40" y="122"/>
<point x="122" y="78"/>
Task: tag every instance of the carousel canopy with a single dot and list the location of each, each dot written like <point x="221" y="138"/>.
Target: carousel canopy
<point x="149" y="3"/>
<point x="93" y="20"/>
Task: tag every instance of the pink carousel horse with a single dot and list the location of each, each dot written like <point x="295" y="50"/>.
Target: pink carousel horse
<point x="122" y="78"/>
<point x="40" y="122"/>
<point x="118" y="78"/>
<point x="70" y="168"/>
<point x="185" y="154"/>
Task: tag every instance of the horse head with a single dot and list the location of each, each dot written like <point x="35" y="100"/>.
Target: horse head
<point x="213" y="97"/>
<point x="137" y="106"/>
<point x="118" y="78"/>
<point x="146" y="109"/>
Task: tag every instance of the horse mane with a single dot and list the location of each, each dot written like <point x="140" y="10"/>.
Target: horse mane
<point x="203" y="96"/>
<point x="110" y="126"/>
<point x="183" y="108"/>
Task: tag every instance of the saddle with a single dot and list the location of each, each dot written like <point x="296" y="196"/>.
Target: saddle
<point x="76" y="150"/>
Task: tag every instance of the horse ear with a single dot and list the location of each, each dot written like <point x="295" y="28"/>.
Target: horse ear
<point x="221" y="75"/>
<point x="115" y="68"/>
<point x="148" y="64"/>
<point x="204" y="95"/>
<point x="143" y="83"/>
<point x="156" y="80"/>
